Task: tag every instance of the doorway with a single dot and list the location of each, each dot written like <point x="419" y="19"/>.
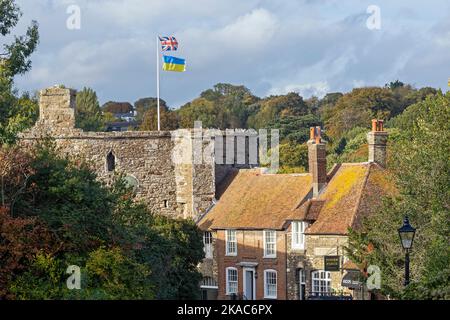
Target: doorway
<point x="249" y="284"/>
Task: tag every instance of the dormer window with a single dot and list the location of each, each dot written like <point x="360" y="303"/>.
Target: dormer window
<point x="110" y="162"/>
<point x="298" y="234"/>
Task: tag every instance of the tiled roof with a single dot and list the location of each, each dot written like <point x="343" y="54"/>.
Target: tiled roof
<point x="258" y="201"/>
<point x="354" y="191"/>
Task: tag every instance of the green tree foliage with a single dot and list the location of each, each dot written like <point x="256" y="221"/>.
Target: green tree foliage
<point x="144" y="105"/>
<point x="55" y="213"/>
<point x="169" y="119"/>
<point x="357" y="108"/>
<point x="295" y="129"/>
<point x="16" y="113"/>
<point x="223" y="106"/>
<point x="420" y="166"/>
<point x="293" y="157"/>
<point x="88" y="112"/>
<point x="275" y="107"/>
<point x="117" y="107"/>
<point x="202" y="110"/>
<point x="15" y="56"/>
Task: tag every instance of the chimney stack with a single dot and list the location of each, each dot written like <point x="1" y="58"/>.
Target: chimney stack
<point x="317" y="160"/>
<point x="377" y="140"/>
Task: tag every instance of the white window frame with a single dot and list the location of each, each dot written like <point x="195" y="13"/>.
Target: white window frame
<point x="267" y="295"/>
<point x="208" y="244"/>
<point x="228" y="242"/>
<point x="274" y="243"/>
<point x="301" y="282"/>
<point x="227" y="284"/>
<point x="298" y="234"/>
<point x="321" y="279"/>
<point x="209" y="283"/>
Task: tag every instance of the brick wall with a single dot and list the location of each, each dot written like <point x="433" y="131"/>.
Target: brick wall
<point x="250" y="250"/>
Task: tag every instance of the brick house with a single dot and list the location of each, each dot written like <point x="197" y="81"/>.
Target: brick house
<point x="269" y="235"/>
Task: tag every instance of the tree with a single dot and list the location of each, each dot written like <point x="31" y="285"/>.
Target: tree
<point x="276" y="107"/>
<point x="55" y="213"/>
<point x="357" y="108"/>
<point x="117" y="107"/>
<point x="15" y="113"/>
<point x="148" y="104"/>
<point x="295" y="129"/>
<point x="169" y="120"/>
<point x="420" y="168"/>
<point x="293" y="157"/>
<point x="394" y="84"/>
<point x="88" y="113"/>
<point x="202" y="110"/>
<point x="15" y="56"/>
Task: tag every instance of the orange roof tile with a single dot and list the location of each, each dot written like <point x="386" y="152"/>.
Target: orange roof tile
<point x="258" y="201"/>
<point x="353" y="192"/>
<point x="341" y="197"/>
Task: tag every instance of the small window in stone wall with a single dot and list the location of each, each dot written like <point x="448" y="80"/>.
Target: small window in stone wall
<point x="166" y="203"/>
<point x="110" y="162"/>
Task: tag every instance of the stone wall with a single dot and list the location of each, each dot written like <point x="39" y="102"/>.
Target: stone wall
<point x="168" y="180"/>
<point x="295" y="260"/>
<point x="319" y="246"/>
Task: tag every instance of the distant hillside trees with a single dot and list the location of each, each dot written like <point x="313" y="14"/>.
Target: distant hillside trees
<point x="117" y="107"/>
<point x="169" y="119"/>
<point x="143" y="105"/>
<point x="223" y="106"/>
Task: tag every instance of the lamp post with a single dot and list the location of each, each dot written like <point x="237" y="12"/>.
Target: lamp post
<point x="406" y="233"/>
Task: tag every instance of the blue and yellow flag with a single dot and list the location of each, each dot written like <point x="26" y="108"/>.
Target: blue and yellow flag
<point x="174" y="64"/>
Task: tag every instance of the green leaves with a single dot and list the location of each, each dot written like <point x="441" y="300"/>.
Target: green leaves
<point x="63" y="216"/>
<point x="10" y="14"/>
<point x="419" y="161"/>
<point x="88" y="113"/>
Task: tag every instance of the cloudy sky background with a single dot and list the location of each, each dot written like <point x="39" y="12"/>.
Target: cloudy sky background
<point x="270" y="46"/>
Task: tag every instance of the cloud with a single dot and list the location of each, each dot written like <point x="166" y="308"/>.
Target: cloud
<point x="271" y="47"/>
<point x="318" y="89"/>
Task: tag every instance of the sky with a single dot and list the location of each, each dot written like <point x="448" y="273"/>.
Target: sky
<point x="270" y="46"/>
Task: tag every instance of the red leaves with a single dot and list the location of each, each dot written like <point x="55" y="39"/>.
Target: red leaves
<point x="20" y="240"/>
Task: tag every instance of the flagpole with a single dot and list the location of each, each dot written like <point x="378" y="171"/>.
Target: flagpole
<point x="157" y="81"/>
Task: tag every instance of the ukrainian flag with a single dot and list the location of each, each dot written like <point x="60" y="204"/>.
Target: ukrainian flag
<point x="174" y="64"/>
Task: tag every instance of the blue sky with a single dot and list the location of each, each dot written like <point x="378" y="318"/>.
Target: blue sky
<point x="271" y="47"/>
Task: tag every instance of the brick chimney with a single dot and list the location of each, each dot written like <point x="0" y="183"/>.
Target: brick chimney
<point x="317" y="160"/>
<point x="377" y="139"/>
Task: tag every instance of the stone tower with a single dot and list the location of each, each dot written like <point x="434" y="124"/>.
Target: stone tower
<point x="377" y="139"/>
<point x="57" y="110"/>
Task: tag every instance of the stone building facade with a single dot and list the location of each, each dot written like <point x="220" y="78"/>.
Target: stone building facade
<point x="160" y="165"/>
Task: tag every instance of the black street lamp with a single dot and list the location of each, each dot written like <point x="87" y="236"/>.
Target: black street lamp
<point x="406" y="233"/>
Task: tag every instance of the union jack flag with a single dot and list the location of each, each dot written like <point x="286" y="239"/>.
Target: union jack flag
<point x="168" y="43"/>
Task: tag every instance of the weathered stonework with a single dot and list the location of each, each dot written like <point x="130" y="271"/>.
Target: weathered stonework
<point x="168" y="179"/>
<point x="319" y="246"/>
